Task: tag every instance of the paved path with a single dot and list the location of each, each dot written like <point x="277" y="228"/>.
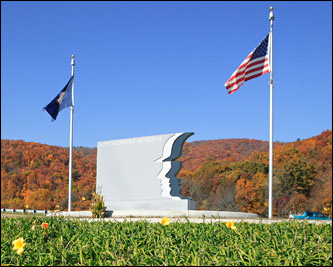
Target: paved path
<point x="174" y="219"/>
<point x="193" y="216"/>
<point x="200" y="220"/>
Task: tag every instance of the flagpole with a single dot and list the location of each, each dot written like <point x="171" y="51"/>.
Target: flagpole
<point x="270" y="200"/>
<point x="71" y="143"/>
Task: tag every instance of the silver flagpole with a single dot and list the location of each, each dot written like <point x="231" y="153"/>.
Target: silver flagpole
<point x="71" y="143"/>
<point x="270" y="205"/>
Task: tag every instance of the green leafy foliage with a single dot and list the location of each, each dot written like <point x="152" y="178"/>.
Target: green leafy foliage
<point x="107" y="243"/>
<point x="98" y="208"/>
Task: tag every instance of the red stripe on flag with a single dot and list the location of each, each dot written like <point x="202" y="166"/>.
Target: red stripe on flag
<point x="250" y="68"/>
<point x="246" y="74"/>
<point x="255" y="76"/>
<point x="261" y="64"/>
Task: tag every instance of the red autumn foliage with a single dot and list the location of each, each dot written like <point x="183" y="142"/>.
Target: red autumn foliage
<point x="227" y="174"/>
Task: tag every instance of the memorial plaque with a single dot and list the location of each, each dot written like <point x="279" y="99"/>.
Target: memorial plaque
<point x="139" y="173"/>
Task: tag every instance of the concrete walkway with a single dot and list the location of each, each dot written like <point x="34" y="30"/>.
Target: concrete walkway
<point x="202" y="214"/>
<point x="193" y="216"/>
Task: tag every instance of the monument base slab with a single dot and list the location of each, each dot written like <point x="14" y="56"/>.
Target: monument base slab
<point x="159" y="204"/>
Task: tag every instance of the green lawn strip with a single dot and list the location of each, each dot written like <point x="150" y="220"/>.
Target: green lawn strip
<point x="104" y="243"/>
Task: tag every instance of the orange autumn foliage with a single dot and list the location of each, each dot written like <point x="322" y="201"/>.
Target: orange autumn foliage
<point x="229" y="174"/>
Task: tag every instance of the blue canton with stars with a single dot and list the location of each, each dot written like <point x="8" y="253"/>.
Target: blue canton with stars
<point x="261" y="50"/>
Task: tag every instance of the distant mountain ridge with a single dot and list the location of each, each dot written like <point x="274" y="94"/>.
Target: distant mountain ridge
<point x="35" y="175"/>
<point x="195" y="153"/>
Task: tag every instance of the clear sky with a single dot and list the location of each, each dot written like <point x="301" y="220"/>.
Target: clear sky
<point x="149" y="68"/>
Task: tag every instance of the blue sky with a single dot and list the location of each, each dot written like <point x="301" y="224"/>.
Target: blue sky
<point x="149" y="68"/>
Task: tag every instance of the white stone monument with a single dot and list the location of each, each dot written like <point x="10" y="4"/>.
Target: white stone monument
<point x="139" y="173"/>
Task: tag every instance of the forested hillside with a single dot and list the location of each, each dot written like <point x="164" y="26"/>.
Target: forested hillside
<point x="231" y="150"/>
<point x="302" y="176"/>
<point x="35" y="175"/>
<point x="218" y="174"/>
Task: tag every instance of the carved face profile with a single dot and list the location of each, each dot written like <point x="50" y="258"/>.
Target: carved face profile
<point x="140" y="168"/>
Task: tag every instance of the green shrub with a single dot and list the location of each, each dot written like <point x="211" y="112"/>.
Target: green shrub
<point x="98" y="208"/>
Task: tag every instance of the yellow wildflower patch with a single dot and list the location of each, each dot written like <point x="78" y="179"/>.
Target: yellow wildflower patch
<point x="165" y="221"/>
<point x="231" y="225"/>
<point x="19" y="245"/>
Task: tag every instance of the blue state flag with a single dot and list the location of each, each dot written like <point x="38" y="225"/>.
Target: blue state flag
<point x="61" y="101"/>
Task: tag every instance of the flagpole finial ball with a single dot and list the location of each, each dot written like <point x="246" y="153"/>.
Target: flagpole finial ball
<point x="73" y="56"/>
<point x="271" y="8"/>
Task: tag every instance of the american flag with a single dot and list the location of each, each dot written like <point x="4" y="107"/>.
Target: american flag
<point x="254" y="65"/>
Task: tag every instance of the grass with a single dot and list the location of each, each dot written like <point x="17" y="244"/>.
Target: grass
<point x="101" y="243"/>
<point x="19" y="214"/>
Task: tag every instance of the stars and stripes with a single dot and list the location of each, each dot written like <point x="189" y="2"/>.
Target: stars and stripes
<point x="254" y="65"/>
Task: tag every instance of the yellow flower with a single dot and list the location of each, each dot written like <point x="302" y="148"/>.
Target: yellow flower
<point x="45" y="225"/>
<point x="231" y="225"/>
<point x="83" y="198"/>
<point x="165" y="221"/>
<point x="19" y="245"/>
<point x="20" y="251"/>
<point x="33" y="227"/>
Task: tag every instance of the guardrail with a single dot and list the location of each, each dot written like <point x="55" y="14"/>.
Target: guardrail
<point x="23" y="211"/>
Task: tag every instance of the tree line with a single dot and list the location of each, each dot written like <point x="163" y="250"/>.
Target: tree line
<point x="302" y="177"/>
<point x="228" y="175"/>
